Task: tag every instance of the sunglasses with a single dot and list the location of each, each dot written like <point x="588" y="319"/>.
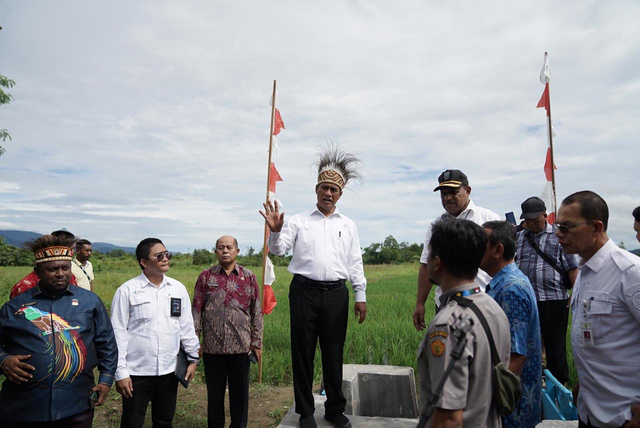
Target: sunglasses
<point x="566" y="228"/>
<point x="160" y="256"/>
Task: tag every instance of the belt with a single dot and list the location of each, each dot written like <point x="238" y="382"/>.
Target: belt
<point x="324" y="285"/>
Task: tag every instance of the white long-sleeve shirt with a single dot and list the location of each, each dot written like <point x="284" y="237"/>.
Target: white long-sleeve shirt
<point x="148" y="336"/>
<point x="605" y="335"/>
<point x="324" y="248"/>
<point x="479" y="216"/>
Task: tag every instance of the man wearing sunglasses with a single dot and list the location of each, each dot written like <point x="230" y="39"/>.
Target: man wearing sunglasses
<point x="151" y="317"/>
<point x="605" y="306"/>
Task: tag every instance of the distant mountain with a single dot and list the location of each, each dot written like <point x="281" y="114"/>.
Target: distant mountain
<point x="636" y="252"/>
<point x="105" y="247"/>
<point x="18" y="237"/>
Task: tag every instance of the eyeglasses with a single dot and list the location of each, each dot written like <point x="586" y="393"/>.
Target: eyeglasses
<point x="161" y="256"/>
<point x="566" y="228"/>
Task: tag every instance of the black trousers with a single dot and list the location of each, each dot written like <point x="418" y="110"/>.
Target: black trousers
<point x="162" y="391"/>
<point x="554" y="316"/>
<point x="218" y="369"/>
<point x="318" y="313"/>
<point x="80" y="420"/>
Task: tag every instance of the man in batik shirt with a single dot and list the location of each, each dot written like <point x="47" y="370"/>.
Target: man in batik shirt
<point x="513" y="292"/>
<point x="226" y="310"/>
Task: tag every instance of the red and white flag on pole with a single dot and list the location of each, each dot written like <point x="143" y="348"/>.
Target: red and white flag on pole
<point x="278" y="123"/>
<point x="547" y="193"/>
<point x="269" y="298"/>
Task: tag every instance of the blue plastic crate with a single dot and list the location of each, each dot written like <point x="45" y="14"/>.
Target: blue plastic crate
<point x="557" y="401"/>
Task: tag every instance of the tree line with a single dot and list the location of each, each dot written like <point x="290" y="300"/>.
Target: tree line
<point x="387" y="252"/>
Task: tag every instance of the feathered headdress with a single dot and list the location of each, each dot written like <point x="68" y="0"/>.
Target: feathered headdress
<point x="337" y="167"/>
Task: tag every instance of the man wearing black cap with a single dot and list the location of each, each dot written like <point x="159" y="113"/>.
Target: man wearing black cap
<point x="549" y="283"/>
<point x="455" y="193"/>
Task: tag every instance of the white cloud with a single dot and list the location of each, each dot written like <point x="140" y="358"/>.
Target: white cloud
<point x="152" y="118"/>
<point x="9" y="187"/>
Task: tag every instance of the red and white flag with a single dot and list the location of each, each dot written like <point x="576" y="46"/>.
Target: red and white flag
<point x="547" y="193"/>
<point x="278" y="123"/>
<point x="268" y="296"/>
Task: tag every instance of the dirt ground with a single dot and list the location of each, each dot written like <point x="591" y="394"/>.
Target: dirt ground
<point x="267" y="407"/>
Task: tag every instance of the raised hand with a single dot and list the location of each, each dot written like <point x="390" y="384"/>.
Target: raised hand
<point x="273" y="216"/>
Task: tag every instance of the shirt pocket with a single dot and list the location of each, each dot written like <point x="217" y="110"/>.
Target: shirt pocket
<point x="605" y="327"/>
<point x="141" y="307"/>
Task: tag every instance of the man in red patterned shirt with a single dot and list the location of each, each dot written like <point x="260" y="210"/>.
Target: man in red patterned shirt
<point x="31" y="280"/>
<point x="226" y="310"/>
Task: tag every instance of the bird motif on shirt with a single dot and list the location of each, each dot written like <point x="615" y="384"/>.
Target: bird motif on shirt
<point x="66" y="345"/>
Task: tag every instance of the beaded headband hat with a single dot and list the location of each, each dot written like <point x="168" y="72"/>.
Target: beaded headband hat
<point x="337" y="167"/>
<point x="51" y="254"/>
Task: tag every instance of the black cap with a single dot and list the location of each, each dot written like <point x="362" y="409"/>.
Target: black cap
<point x="452" y="178"/>
<point x="533" y="207"/>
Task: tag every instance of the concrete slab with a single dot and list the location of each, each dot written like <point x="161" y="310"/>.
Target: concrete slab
<point x="291" y="419"/>
<point x="375" y="390"/>
<point x="557" y="424"/>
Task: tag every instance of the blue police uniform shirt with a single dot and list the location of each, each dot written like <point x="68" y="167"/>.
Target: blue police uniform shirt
<point x="67" y="337"/>
<point x="514" y="293"/>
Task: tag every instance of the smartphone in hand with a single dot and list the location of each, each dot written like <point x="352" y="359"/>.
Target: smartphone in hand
<point x="253" y="357"/>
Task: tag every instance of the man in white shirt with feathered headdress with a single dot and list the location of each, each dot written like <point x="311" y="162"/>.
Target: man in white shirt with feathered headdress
<point x="326" y="254"/>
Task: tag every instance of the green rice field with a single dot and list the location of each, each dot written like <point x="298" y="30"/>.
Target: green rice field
<point x="386" y="337"/>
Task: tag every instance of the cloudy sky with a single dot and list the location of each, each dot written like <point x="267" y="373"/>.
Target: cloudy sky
<point x="151" y="118"/>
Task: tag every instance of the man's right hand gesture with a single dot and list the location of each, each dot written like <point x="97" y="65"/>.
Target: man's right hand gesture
<point x="273" y="216"/>
<point x="15" y="369"/>
<point x="125" y="387"/>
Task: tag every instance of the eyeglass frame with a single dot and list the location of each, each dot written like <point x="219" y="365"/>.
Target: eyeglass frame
<point x="160" y="256"/>
<point x="565" y="229"/>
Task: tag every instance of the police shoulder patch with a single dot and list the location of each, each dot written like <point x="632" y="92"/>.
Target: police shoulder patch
<point x="438" y="333"/>
<point x="438" y="347"/>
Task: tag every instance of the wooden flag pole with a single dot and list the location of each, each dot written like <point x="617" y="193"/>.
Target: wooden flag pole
<point x="266" y="228"/>
<point x="553" y="164"/>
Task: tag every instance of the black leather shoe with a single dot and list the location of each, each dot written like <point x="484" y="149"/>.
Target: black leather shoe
<point x="308" y="422"/>
<point x="339" y="420"/>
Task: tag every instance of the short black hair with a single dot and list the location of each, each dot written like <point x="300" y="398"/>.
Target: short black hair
<point x="636" y="214"/>
<point x="592" y="206"/>
<point x="460" y="244"/>
<point x="144" y="248"/>
<point x="82" y="242"/>
<point x="503" y="232"/>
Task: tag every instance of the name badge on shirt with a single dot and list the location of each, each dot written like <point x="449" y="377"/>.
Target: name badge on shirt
<point x="587" y="334"/>
<point x="176" y="306"/>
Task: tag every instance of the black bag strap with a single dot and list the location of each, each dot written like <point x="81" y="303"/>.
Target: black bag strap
<point x="563" y="273"/>
<point x="495" y="358"/>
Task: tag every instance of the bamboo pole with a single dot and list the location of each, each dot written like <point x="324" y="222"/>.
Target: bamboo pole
<point x="266" y="229"/>
<point x="553" y="164"/>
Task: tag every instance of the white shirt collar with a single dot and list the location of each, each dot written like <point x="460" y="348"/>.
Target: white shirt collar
<point x="463" y="215"/>
<point x="316" y="210"/>
<point x="144" y="281"/>
<point x="597" y="260"/>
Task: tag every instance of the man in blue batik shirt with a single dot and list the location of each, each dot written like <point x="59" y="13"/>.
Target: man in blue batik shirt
<point x="512" y="290"/>
<point x="51" y="338"/>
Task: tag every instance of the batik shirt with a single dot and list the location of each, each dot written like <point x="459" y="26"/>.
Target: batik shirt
<point x="30" y="281"/>
<point x="226" y="309"/>
<point x="67" y="337"/>
<point x="513" y="292"/>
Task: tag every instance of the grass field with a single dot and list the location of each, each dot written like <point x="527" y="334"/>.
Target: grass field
<point x="386" y="337"/>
